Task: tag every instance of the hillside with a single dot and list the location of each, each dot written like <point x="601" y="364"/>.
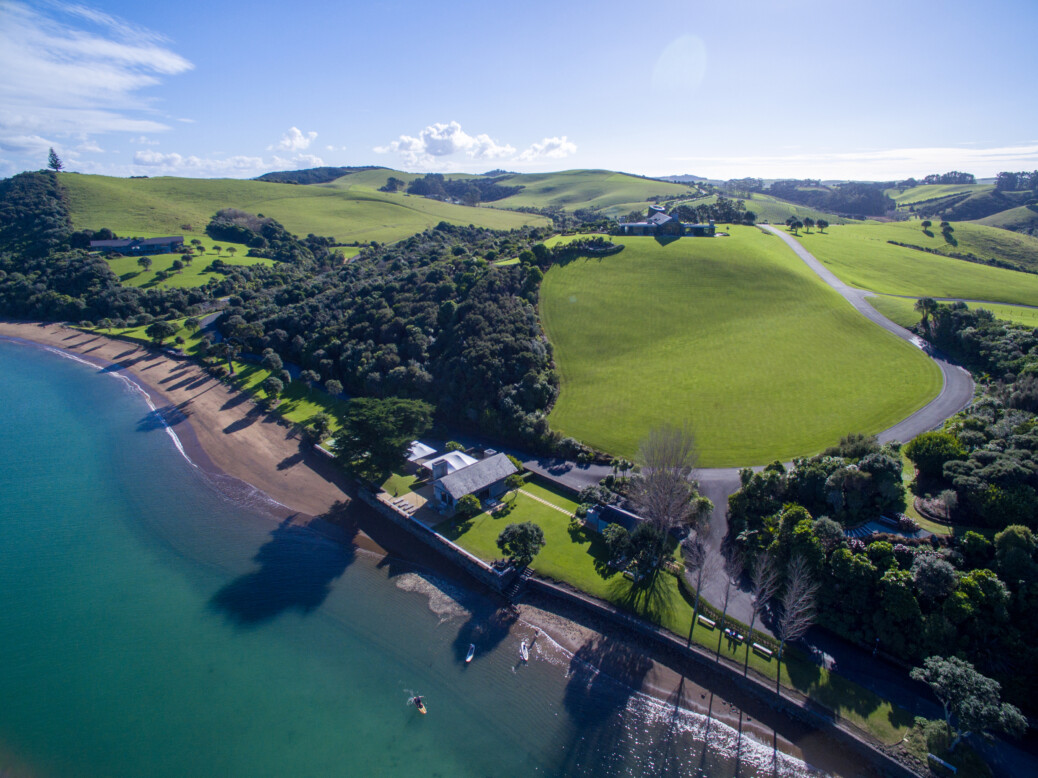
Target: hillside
<point x="970" y="202"/>
<point x="1023" y="219"/>
<point x="932" y="192"/>
<point x="861" y="255"/>
<point x="148" y="206"/>
<point x="774" y="210"/>
<point x="573" y="189"/>
<point x="735" y="335"/>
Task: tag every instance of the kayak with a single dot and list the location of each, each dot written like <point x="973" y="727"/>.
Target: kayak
<point x="418" y="704"/>
<point x="471" y="653"/>
<point x="524" y="652"/>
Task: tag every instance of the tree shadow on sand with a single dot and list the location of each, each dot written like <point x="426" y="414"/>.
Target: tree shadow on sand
<point x="484" y="630"/>
<point x="296" y="569"/>
<point x="169" y="415"/>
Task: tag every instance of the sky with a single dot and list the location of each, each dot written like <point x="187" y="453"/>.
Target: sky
<point x="769" y="88"/>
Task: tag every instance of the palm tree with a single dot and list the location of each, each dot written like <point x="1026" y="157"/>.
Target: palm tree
<point x="927" y="307"/>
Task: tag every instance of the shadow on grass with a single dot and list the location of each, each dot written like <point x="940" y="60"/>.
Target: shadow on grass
<point x="647" y="597"/>
<point x="295" y="570"/>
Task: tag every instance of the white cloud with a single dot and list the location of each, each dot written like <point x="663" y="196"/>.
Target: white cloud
<point x="144" y="140"/>
<point x="444" y="140"/>
<point x="172" y="163"/>
<point x="294" y="140"/>
<point x="870" y="165"/>
<point x="73" y="70"/>
<point x="549" y="148"/>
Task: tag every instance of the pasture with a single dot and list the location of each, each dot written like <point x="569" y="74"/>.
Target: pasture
<point x="925" y="192"/>
<point x="184" y="206"/>
<point x="774" y="210"/>
<point x="573" y="189"/>
<point x="860" y="255"/>
<point x="902" y="310"/>
<point x="735" y="336"/>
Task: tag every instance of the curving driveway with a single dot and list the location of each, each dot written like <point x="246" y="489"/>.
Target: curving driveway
<point x="718" y="483"/>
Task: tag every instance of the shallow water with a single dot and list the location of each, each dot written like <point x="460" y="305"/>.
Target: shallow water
<point x="150" y="624"/>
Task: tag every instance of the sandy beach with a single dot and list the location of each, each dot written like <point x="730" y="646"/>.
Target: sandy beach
<point x="225" y="433"/>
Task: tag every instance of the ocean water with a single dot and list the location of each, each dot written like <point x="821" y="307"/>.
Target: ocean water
<point x="153" y="624"/>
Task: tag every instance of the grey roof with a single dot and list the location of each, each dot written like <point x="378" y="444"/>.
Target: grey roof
<point x="659" y="218"/>
<point x="122" y="243"/>
<point x="478" y="476"/>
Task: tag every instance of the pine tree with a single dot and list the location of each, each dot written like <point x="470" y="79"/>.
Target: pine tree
<point x="54" y="161"/>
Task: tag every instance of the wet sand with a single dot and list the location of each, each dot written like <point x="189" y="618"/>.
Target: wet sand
<point x="225" y="433"/>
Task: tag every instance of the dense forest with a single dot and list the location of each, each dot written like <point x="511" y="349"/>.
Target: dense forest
<point x="470" y="191"/>
<point x="852" y="199"/>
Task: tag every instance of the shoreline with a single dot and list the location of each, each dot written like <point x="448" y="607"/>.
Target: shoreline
<point x="225" y="435"/>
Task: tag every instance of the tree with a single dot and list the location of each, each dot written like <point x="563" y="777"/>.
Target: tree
<point x="514" y="483"/>
<point x="467" y="506"/>
<point x="930" y="451"/>
<point x="934" y="577"/>
<point x="971" y="700"/>
<point x="273" y="387"/>
<point x="144" y="262"/>
<point x="664" y="491"/>
<point x="334" y="388"/>
<point x="808" y="223"/>
<point x="618" y="542"/>
<point x="232" y="250"/>
<point x="798" y="606"/>
<point x="271" y="361"/>
<point x="822" y="225"/>
<point x="377" y="433"/>
<point x="701" y="563"/>
<point x="317" y="427"/>
<point x="160" y="330"/>
<point x="794" y="224"/>
<point x="453" y="445"/>
<point x="217" y="249"/>
<point x="106" y="324"/>
<point x="191" y="324"/>
<point x="521" y="542"/>
<point x="647" y="542"/>
<point x="928" y="307"/>
<point x="309" y="377"/>
<point x="733" y="568"/>
<point x="926" y="224"/>
<point x="54" y="161"/>
<point x="765" y="580"/>
<point x="1014" y="554"/>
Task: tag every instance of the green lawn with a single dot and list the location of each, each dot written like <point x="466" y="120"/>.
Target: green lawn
<point x="735" y="335"/>
<point x="194" y="274"/>
<point x="577" y="557"/>
<point x="184" y="206"/>
<point x="860" y="255"/>
<point x="902" y="310"/>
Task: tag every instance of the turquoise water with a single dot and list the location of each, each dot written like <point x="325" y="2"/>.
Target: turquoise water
<point x="152" y="625"/>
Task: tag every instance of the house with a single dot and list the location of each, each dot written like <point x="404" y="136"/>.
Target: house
<point x="485" y="479"/>
<point x="450" y="462"/>
<point x="136" y="246"/>
<point x="419" y="451"/>
<point x="658" y="222"/>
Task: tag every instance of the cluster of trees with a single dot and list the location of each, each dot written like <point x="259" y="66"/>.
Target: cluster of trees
<point x="723" y="209"/>
<point x="854" y="198"/>
<point x="913" y="599"/>
<point x="986" y="458"/>
<point x="428" y="318"/>
<point x="470" y="191"/>
<point x="795" y="223"/>
<point x="314" y="175"/>
<point x="952" y="177"/>
<point x="1015" y="182"/>
<point x="266" y="237"/>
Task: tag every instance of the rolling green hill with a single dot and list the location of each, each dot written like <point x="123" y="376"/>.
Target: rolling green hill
<point x="735" y="335"/>
<point x="860" y="255"/>
<point x="902" y="310"/>
<point x="927" y="192"/>
<point x="1023" y="219"/>
<point x="573" y="189"/>
<point x="167" y="205"/>
<point x="774" y="210"/>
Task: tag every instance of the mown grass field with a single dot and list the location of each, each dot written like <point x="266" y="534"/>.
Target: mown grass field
<point x="578" y="557"/>
<point x="194" y="274"/>
<point x="902" y="310"/>
<point x="184" y="206"/>
<point x="735" y="336"/>
<point x="860" y="255"/>
<point x="572" y="189"/>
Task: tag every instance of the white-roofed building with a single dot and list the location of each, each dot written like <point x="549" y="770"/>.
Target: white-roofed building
<point x="449" y="463"/>
<point x="419" y="451"/>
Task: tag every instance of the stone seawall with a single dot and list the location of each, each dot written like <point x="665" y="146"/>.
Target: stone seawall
<point x="477" y="568"/>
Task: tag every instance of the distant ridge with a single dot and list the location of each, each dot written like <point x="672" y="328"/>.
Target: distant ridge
<point x="685" y="179"/>
<point x="313" y="175"/>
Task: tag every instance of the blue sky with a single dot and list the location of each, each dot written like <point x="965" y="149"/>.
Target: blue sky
<point x="773" y="88"/>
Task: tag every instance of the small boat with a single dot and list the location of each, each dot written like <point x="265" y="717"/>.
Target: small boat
<point x="471" y="653"/>
<point x="524" y="652"/>
<point x="418" y="704"/>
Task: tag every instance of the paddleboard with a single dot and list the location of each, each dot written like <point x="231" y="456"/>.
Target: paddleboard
<point x="524" y="652"/>
<point x="471" y="653"/>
